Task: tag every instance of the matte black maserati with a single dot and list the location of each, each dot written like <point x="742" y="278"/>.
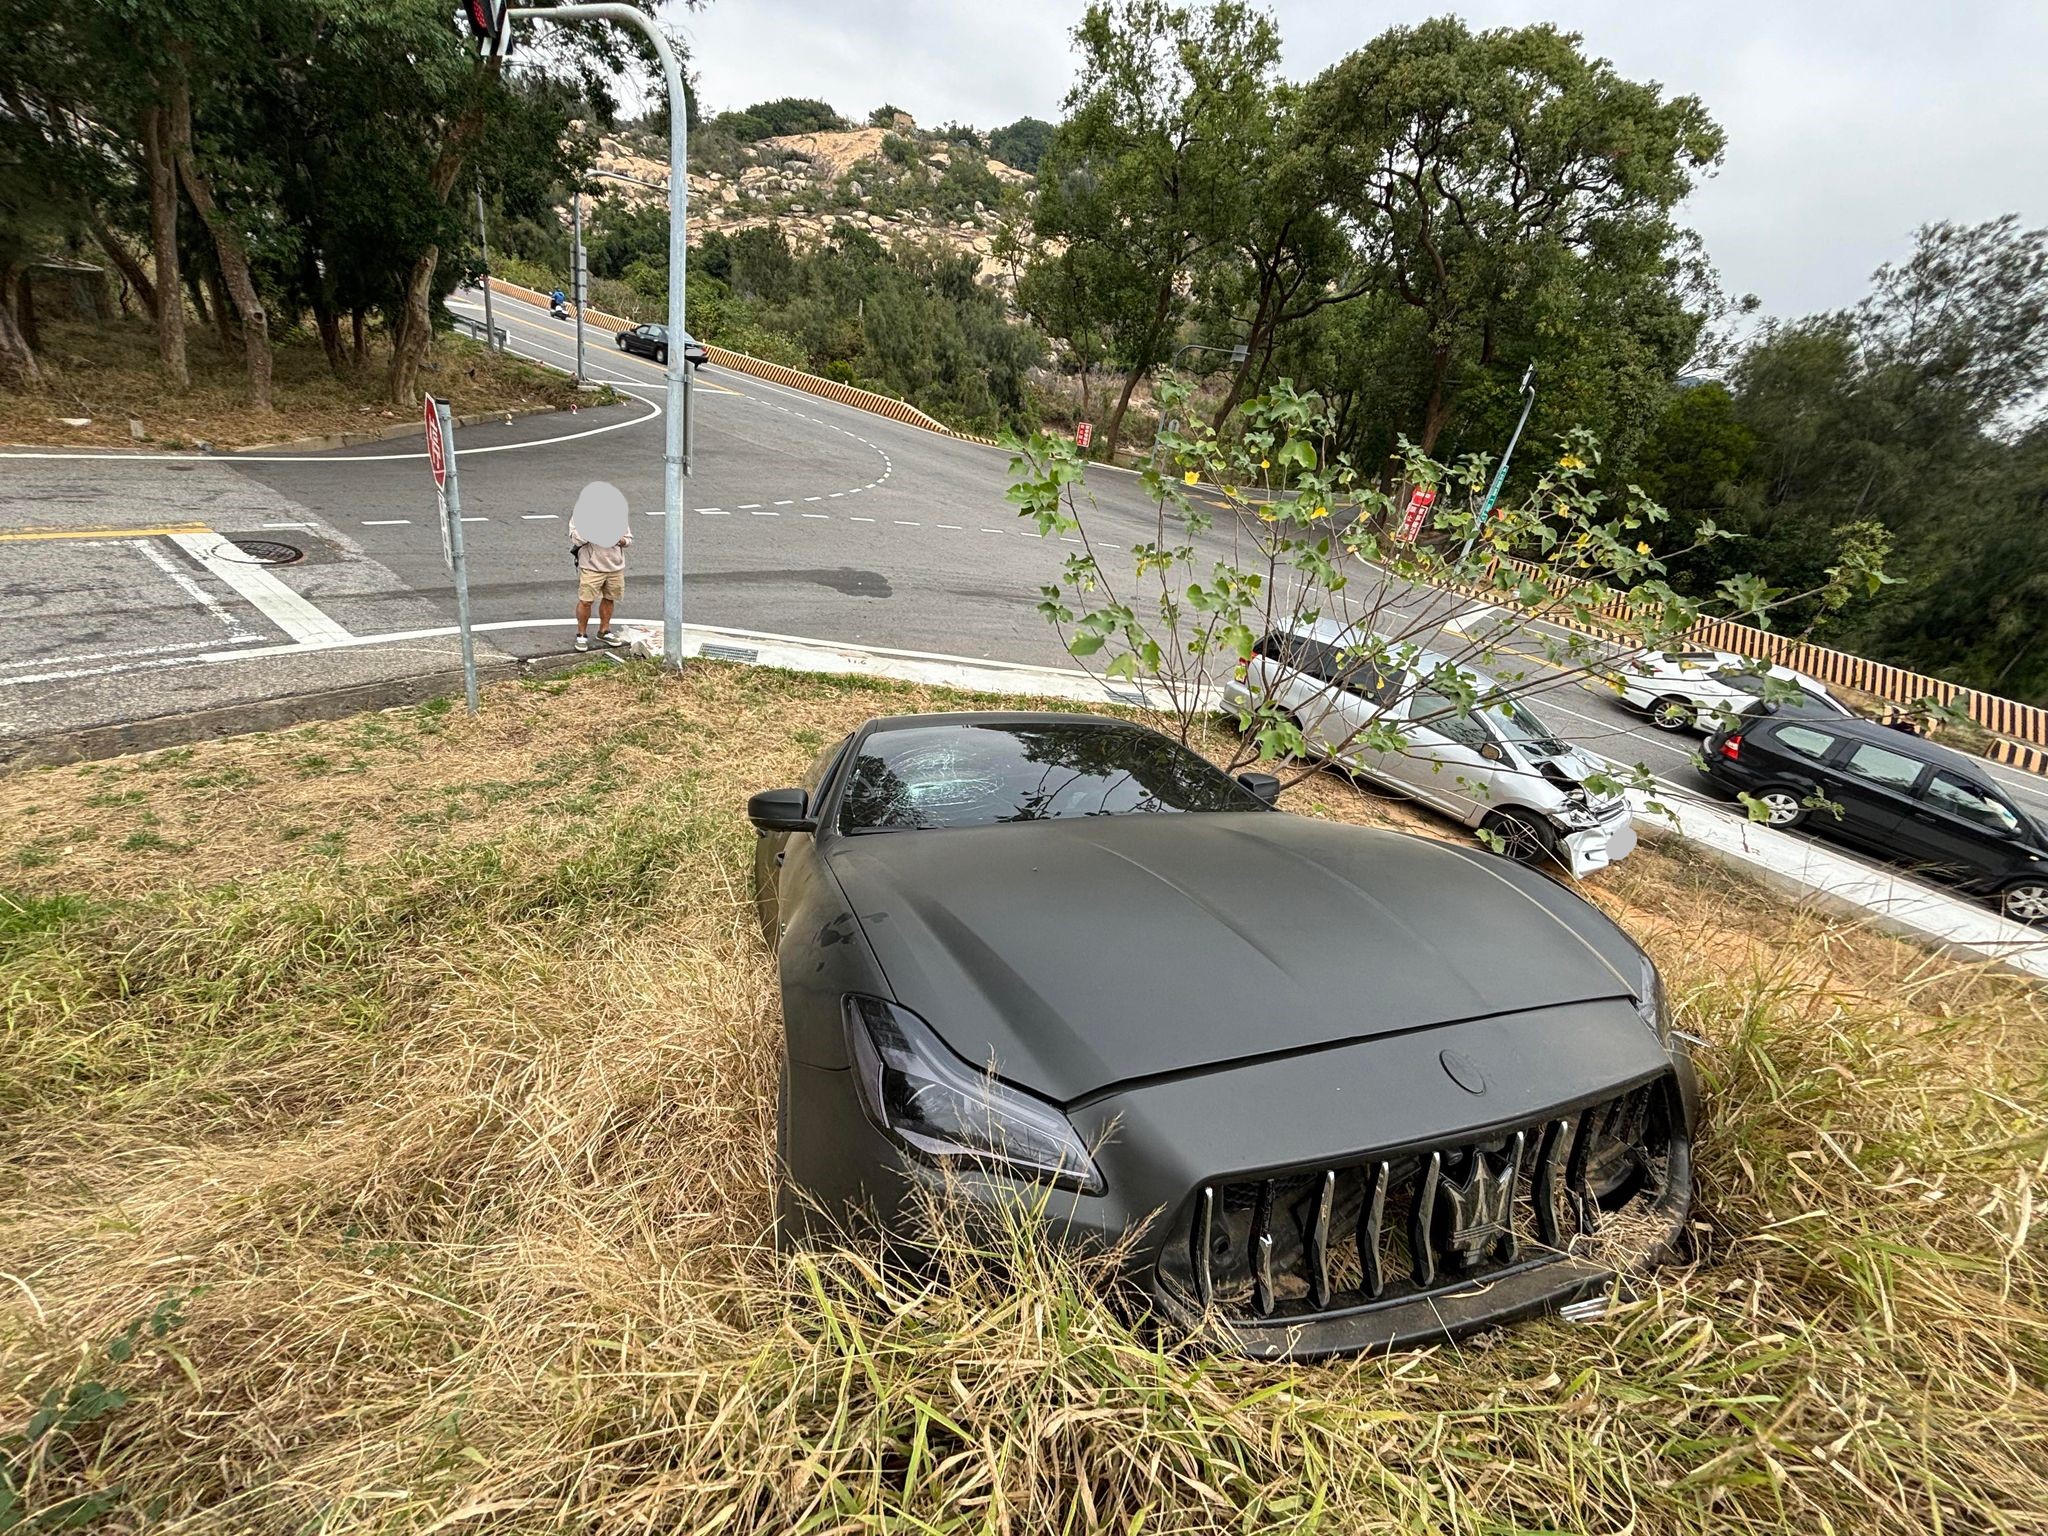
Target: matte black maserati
<point x="1359" y="1089"/>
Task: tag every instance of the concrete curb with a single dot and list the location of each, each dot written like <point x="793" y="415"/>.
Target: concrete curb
<point x="389" y="434"/>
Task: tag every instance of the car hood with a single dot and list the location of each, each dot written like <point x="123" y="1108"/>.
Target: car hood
<point x="1077" y="955"/>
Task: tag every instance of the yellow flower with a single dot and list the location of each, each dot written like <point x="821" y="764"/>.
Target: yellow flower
<point x="1642" y="547"/>
<point x="1319" y="512"/>
<point x="1265" y="463"/>
<point x="1193" y="477"/>
<point x="1571" y="461"/>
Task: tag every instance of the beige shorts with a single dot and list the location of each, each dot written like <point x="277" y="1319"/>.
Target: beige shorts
<point x="592" y="585"/>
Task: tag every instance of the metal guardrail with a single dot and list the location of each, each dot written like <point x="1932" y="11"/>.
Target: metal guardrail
<point x="475" y="328"/>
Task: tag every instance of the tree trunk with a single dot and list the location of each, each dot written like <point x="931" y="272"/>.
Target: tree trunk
<point x="324" y="319"/>
<point x="18" y="366"/>
<point x="359" y="338"/>
<point x="163" y="240"/>
<point x="415" y="326"/>
<point x="217" y="305"/>
<point x="1436" y="415"/>
<point x="25" y="311"/>
<point x="1116" y="417"/>
<point x="227" y="247"/>
<point x="124" y="262"/>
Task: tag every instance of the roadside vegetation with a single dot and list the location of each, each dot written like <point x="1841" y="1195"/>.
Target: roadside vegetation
<point x="100" y="378"/>
<point x="385" y="1143"/>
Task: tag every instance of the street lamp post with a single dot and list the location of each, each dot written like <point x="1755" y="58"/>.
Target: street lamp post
<point x="1237" y="353"/>
<point x="676" y="456"/>
<point x="579" y="272"/>
<point x="1500" y="475"/>
<point x="483" y="240"/>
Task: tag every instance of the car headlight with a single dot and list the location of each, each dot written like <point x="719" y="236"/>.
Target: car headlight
<point x="920" y="1093"/>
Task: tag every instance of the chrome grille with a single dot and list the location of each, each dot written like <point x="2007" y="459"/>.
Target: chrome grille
<point x="1400" y="1224"/>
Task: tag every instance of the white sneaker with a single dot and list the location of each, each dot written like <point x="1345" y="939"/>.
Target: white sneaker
<point x="613" y="637"/>
<point x="583" y="642"/>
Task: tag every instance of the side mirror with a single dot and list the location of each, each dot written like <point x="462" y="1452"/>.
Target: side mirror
<point x="1265" y="785"/>
<point x="781" y="810"/>
<point x="1491" y="751"/>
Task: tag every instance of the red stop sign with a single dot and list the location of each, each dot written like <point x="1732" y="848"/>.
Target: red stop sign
<point x="437" y="457"/>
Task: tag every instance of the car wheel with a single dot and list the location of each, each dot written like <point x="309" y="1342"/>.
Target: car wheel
<point x="2026" y="902"/>
<point x="1673" y="714"/>
<point x="1523" y="838"/>
<point x="661" y="356"/>
<point x="1786" y="808"/>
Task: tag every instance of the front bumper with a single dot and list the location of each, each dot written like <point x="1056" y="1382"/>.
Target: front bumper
<point x="1597" y="847"/>
<point x="1274" y="1122"/>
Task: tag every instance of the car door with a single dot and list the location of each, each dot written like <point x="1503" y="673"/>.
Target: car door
<point x="783" y="860"/>
<point x="1442" y="766"/>
<point x="1873" y="785"/>
<point x="1958" y="830"/>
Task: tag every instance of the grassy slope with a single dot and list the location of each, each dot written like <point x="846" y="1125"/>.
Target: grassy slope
<point x="402" y="1087"/>
<point x="108" y="373"/>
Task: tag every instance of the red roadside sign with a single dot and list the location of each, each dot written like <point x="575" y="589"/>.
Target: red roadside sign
<point x="1084" y="433"/>
<point x="437" y="459"/>
<point x="1420" y="500"/>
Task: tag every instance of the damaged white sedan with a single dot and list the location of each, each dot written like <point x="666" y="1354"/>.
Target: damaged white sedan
<point x="1487" y="761"/>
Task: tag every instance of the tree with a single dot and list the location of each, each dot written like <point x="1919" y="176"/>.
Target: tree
<point x="1135" y="184"/>
<point x="1486" y="170"/>
<point x="1022" y="144"/>
<point x="784" y="115"/>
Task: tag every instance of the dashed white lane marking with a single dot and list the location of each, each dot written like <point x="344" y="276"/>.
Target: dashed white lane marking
<point x="712" y="512"/>
<point x="826" y="515"/>
<point x="762" y="512"/>
<point x="856" y="490"/>
<point x="863" y="519"/>
<point x="904" y="522"/>
<point x="285" y="608"/>
<point x="386" y="522"/>
<point x="949" y="527"/>
<point x="237" y="631"/>
<point x="476" y="519"/>
<point x="748" y="506"/>
<point x="814" y="498"/>
<point x="997" y="531"/>
<point x="538" y="517"/>
<point x="788" y="503"/>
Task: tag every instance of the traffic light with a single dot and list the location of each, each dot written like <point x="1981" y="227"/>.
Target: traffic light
<point x="490" y="24"/>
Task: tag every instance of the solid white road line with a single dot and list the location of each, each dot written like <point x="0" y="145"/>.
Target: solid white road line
<point x="287" y="609"/>
<point x="237" y="631"/>
<point x="287" y="525"/>
<point x="386" y="522"/>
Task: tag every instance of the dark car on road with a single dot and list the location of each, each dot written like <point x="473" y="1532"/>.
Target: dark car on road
<point x="652" y="341"/>
<point x="1064" y="960"/>
<point x="1890" y="794"/>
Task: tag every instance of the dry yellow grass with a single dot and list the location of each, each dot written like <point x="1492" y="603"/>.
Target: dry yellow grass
<point x="108" y="373"/>
<point x="385" y="1146"/>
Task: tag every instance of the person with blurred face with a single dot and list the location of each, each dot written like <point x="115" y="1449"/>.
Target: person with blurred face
<point x="598" y="539"/>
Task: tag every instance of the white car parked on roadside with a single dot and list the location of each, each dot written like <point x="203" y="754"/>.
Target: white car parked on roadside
<point x="1696" y="689"/>
<point x="1498" y="767"/>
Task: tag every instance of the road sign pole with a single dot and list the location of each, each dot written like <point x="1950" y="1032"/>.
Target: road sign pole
<point x="451" y="523"/>
<point x="676" y="457"/>
<point x="1500" y="475"/>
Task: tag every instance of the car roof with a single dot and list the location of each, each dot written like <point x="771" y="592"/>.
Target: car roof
<point x="1340" y="632"/>
<point x="1858" y="729"/>
<point x="1001" y="717"/>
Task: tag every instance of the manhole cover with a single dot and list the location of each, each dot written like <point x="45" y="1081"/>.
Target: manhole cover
<point x="261" y="552"/>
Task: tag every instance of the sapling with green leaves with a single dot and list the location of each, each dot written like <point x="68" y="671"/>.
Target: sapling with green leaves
<point x="1437" y="612"/>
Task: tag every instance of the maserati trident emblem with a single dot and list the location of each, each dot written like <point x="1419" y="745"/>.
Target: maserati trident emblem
<point x="1477" y="1214"/>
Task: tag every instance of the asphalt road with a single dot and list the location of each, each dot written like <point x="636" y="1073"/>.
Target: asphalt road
<point x="804" y="517"/>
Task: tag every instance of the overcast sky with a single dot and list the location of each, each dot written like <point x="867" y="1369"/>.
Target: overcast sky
<point x="1848" y="124"/>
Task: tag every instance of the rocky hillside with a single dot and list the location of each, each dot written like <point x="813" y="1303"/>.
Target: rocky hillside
<point x="899" y="184"/>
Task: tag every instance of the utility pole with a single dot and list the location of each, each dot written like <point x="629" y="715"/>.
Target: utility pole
<point x="579" y="273"/>
<point x="483" y="239"/>
<point x="676" y="457"/>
